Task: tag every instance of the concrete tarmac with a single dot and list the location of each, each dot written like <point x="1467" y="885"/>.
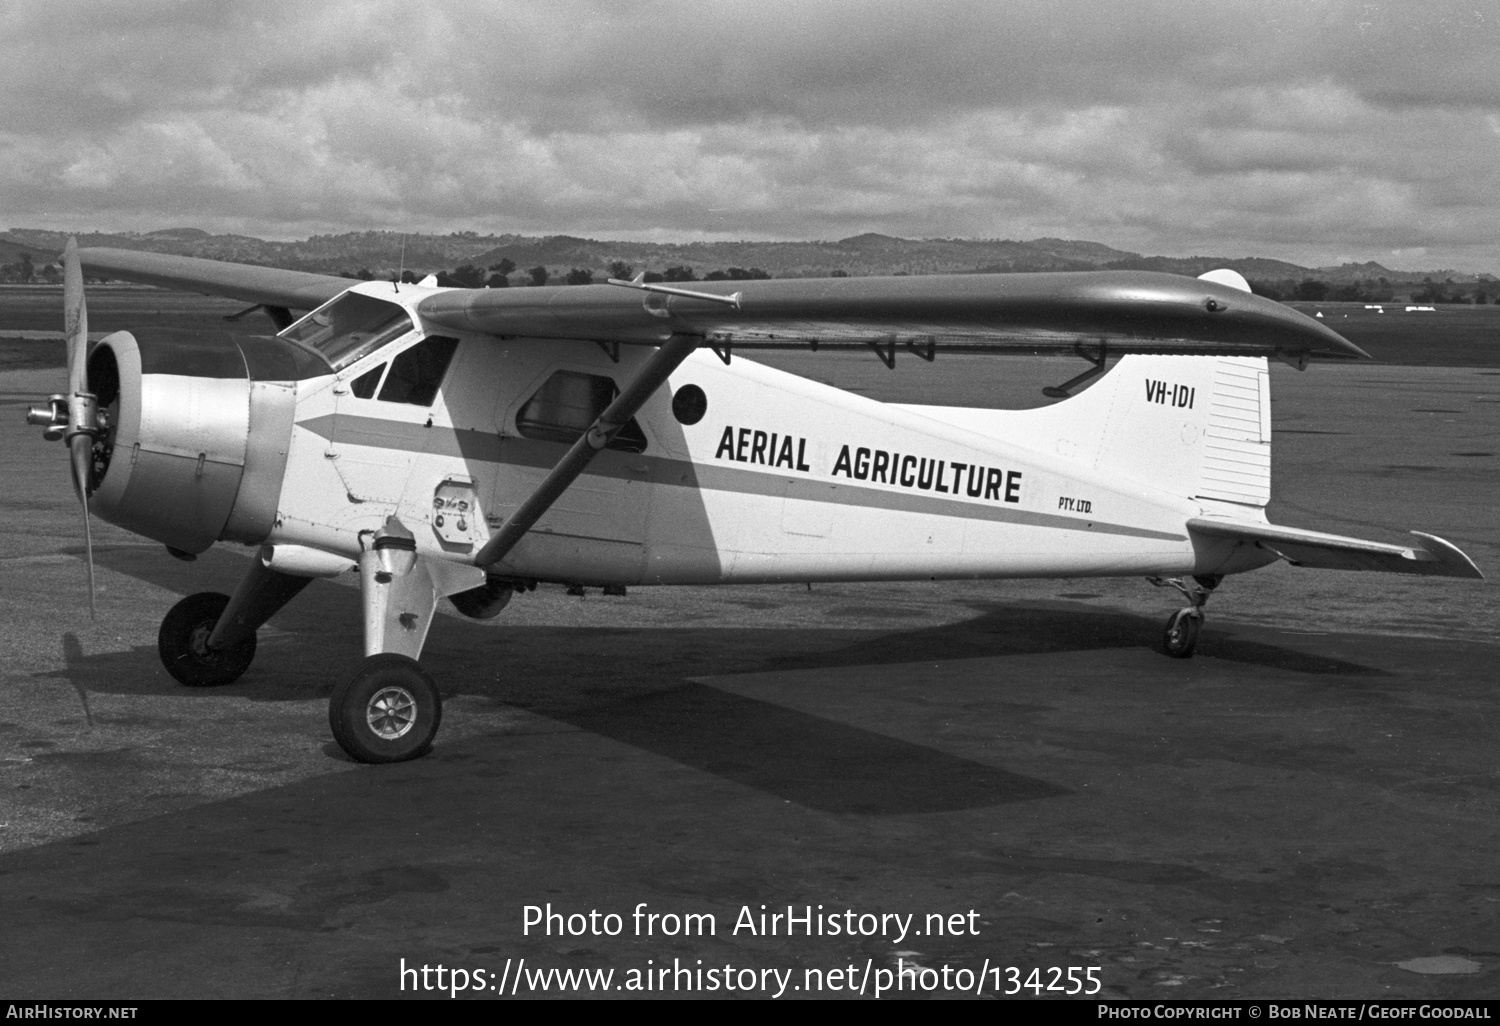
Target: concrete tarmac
<point x="1309" y="802"/>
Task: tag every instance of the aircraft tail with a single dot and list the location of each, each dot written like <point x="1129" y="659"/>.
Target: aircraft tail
<point x="1195" y="426"/>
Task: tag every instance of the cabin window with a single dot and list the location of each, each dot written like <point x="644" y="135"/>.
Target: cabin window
<point x="567" y="404"/>
<point x="350" y="327"/>
<point x="364" y="386"/>
<point x="416" y="374"/>
<point x="689" y="404"/>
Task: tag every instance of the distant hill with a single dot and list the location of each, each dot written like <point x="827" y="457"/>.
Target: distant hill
<point x="869" y="254"/>
<point x="10" y="252"/>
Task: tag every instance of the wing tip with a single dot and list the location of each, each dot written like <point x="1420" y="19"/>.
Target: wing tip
<point x="1350" y="351"/>
<point x="1449" y="555"/>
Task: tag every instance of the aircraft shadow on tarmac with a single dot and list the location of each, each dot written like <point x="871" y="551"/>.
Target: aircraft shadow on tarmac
<point x="1039" y="628"/>
<point x="631" y="684"/>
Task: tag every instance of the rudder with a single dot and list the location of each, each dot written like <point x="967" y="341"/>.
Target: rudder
<point x="1194" y="426"/>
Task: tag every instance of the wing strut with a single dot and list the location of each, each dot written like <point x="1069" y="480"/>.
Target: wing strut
<point x="626" y="405"/>
<point x="1065" y="390"/>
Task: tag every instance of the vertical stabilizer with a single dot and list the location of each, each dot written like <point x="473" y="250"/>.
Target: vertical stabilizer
<point x="1194" y="426"/>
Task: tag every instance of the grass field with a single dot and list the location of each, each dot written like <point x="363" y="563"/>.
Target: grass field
<point x="1451" y="336"/>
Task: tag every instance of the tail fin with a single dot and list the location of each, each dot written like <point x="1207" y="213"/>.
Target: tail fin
<point x="1199" y="428"/>
<point x="1195" y="426"/>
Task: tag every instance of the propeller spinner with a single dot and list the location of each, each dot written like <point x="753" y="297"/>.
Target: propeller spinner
<point x="74" y="417"/>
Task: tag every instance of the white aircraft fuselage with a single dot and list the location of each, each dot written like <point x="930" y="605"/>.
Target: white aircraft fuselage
<point x="778" y="479"/>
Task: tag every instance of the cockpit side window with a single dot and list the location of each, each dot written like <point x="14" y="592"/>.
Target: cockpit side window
<point x="416" y="373"/>
<point x="567" y="404"/>
<point x="350" y="327"/>
<point x="364" y="386"/>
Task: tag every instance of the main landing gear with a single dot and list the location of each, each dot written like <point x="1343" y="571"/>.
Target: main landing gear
<point x="390" y="709"/>
<point x="1180" y="639"/>
<point x="183" y="643"/>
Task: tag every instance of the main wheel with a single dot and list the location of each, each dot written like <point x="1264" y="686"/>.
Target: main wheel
<point x="183" y="643"/>
<point x="1181" y="636"/>
<point x="388" y="711"/>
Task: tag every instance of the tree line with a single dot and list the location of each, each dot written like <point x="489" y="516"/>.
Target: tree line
<point x="24" y="271"/>
<point x="1377" y="290"/>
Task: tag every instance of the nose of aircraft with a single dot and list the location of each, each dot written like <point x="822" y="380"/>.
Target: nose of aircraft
<point x="198" y="426"/>
<point x="174" y="451"/>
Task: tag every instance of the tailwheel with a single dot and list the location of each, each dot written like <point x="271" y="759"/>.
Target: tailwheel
<point x="388" y="711"/>
<point x="183" y="643"/>
<point x="1181" y="637"/>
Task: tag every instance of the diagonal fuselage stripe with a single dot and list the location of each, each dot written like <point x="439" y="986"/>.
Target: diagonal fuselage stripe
<point x="486" y="447"/>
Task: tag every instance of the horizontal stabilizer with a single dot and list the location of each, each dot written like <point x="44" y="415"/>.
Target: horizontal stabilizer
<point x="1335" y="552"/>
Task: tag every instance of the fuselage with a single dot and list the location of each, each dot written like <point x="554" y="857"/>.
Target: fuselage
<point x="732" y="473"/>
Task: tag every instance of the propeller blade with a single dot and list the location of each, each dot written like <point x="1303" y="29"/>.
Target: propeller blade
<point x="81" y="449"/>
<point x="75" y="319"/>
<point x="81" y="403"/>
<point x="81" y="453"/>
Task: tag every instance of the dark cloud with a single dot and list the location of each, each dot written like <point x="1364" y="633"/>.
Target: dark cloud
<point x="1305" y="129"/>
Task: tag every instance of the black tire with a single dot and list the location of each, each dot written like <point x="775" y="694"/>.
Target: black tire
<point x="1181" y="636"/>
<point x="389" y="711"/>
<point x="182" y="643"/>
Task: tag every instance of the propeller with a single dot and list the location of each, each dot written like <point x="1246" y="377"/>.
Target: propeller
<point x="74" y="417"/>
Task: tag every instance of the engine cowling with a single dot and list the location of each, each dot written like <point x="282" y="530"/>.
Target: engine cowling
<point x="196" y="431"/>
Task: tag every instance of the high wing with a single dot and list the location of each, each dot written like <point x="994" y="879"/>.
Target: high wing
<point x="1119" y="311"/>
<point x="268" y="286"/>
<point x="1433" y="556"/>
<point x="1128" y="311"/>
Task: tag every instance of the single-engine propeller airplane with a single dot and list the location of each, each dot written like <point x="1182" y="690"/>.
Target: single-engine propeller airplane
<point x="468" y="444"/>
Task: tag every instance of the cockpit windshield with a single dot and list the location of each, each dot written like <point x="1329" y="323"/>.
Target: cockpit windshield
<point x="350" y="327"/>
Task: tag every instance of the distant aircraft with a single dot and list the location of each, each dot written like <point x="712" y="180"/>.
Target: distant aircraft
<point x="468" y="444"/>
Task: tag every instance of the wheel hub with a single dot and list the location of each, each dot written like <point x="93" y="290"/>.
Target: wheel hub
<point x="198" y="643"/>
<point x="391" y="713"/>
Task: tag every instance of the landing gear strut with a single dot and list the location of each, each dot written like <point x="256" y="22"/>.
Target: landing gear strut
<point x="208" y="639"/>
<point x="389" y="711"/>
<point x="1180" y="639"/>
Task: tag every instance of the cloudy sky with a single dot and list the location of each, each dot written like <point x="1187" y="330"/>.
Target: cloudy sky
<point x="1317" y="131"/>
